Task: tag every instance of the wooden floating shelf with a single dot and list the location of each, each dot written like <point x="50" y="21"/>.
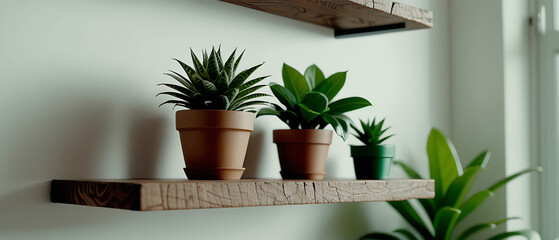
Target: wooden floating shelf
<point x="155" y="195"/>
<point x="347" y="17"/>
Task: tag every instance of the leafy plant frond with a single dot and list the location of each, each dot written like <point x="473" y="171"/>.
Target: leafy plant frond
<point x="528" y="234"/>
<point x="452" y="185"/>
<point x="308" y="100"/>
<point x="482" y="226"/>
<point x="379" y="236"/>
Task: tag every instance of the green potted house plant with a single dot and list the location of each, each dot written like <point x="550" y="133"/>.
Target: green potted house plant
<point x="453" y="201"/>
<point x="374" y="159"/>
<point x="219" y="117"/>
<point x="308" y="109"/>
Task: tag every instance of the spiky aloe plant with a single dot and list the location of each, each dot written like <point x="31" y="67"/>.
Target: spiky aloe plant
<point x="372" y="132"/>
<point x="213" y="84"/>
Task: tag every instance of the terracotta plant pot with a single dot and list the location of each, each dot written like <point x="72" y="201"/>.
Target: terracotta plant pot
<point x="303" y="152"/>
<point x="214" y="142"/>
<point x="373" y="162"/>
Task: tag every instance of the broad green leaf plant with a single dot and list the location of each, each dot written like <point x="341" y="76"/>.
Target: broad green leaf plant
<point x="309" y="100"/>
<point x="372" y="133"/>
<point x="451" y="204"/>
<point x="214" y="84"/>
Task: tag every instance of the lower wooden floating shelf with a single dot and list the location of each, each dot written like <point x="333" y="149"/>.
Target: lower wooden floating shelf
<point x="155" y="195"/>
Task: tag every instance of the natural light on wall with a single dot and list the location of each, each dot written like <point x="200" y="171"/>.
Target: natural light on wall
<point x="556" y="9"/>
<point x="557" y="80"/>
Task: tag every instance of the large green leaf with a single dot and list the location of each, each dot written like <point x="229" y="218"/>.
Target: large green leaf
<point x="345" y="122"/>
<point x="332" y="85"/>
<point x="307" y="113"/>
<point x="528" y="234"/>
<point x="428" y="204"/>
<point x="408" y="170"/>
<point x="268" y="111"/>
<point x="503" y="182"/>
<point x="477" y="199"/>
<point x="314" y="76"/>
<point x="481" y="160"/>
<point x="444" y="164"/>
<point x="283" y="94"/>
<point x="473" y="203"/>
<point x="407" y="234"/>
<point x="445" y="219"/>
<point x="482" y="226"/>
<point x="334" y="122"/>
<point x="347" y="104"/>
<point x="412" y="217"/>
<point x="295" y="82"/>
<point x="460" y="187"/>
<point x="379" y="236"/>
<point x="316" y="101"/>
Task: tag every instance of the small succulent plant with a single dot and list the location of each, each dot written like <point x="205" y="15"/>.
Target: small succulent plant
<point x="214" y="84"/>
<point x="372" y="134"/>
<point x="308" y="100"/>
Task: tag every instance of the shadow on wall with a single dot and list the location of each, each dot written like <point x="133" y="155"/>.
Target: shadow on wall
<point x="61" y="142"/>
<point x="72" y="133"/>
<point x="28" y="210"/>
<point x="145" y="142"/>
<point x="63" y="139"/>
<point x="347" y="222"/>
<point x="254" y="154"/>
<point x="73" y="142"/>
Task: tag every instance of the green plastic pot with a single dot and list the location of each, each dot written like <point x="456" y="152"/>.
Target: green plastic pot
<point x="373" y="162"/>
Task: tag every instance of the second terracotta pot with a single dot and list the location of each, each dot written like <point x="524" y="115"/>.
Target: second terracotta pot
<point x="214" y="142"/>
<point x="303" y="152"/>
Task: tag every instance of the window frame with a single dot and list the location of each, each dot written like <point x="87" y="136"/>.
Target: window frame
<point x="548" y="136"/>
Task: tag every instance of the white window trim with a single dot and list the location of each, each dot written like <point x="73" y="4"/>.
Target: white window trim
<point x="548" y="137"/>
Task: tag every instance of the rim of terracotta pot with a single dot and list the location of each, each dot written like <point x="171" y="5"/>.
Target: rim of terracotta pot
<point x="238" y="120"/>
<point x="314" y="136"/>
<point x="385" y="151"/>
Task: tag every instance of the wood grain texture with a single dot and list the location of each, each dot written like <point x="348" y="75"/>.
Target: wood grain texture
<point x="344" y="14"/>
<point x="154" y="195"/>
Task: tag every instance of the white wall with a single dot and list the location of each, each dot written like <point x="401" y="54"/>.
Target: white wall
<point x="477" y="95"/>
<point x="77" y="100"/>
<point x="491" y="103"/>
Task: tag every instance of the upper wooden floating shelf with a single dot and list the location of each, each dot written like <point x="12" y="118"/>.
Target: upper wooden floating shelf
<point x="347" y="16"/>
<point x="154" y="195"/>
